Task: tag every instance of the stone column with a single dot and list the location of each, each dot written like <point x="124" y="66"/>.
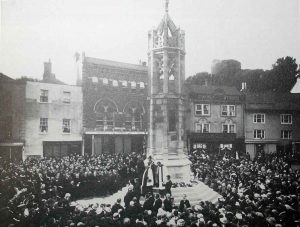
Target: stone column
<point x="166" y="73"/>
<point x="93" y="145"/>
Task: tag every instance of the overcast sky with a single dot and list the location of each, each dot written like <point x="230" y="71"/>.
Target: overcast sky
<point x="255" y="32"/>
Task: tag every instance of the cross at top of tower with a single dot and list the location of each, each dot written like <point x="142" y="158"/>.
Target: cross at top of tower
<point x="166" y="6"/>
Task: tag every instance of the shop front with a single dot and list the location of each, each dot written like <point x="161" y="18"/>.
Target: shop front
<point x="97" y="143"/>
<point x="12" y="151"/>
<point x="214" y="142"/>
<point x="256" y="147"/>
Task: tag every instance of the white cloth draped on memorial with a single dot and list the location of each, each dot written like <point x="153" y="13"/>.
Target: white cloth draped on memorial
<point x="153" y="176"/>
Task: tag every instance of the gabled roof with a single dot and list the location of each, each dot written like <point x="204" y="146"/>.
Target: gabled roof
<point x="271" y="97"/>
<point x="273" y="101"/>
<point x="296" y="88"/>
<point x="116" y="64"/>
<point x="4" y="78"/>
<point x="167" y="22"/>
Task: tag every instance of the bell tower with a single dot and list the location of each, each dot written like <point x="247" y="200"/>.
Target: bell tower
<point x="166" y="134"/>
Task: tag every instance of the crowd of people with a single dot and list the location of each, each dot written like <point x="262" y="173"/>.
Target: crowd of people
<point x="260" y="192"/>
<point x="34" y="186"/>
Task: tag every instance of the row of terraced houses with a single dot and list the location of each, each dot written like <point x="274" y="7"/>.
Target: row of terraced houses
<point x="108" y="112"/>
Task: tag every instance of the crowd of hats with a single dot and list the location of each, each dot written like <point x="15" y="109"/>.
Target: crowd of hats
<point x="262" y="192"/>
<point x="31" y="190"/>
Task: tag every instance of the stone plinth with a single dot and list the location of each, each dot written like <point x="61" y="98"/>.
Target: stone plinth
<point x="178" y="167"/>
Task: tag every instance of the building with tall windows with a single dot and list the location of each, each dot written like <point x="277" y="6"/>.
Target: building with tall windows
<point x="53" y="119"/>
<point x="272" y="123"/>
<point x="39" y="118"/>
<point x="114" y="106"/>
<point x="215" y="119"/>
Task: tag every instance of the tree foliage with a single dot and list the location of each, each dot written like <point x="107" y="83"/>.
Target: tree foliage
<point x="280" y="78"/>
<point x="199" y="78"/>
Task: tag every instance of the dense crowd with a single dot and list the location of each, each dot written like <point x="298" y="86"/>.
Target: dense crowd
<point x="262" y="192"/>
<point x="38" y="186"/>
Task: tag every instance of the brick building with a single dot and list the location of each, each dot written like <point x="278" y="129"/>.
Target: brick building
<point x="214" y="118"/>
<point x="114" y="106"/>
<point x="12" y="134"/>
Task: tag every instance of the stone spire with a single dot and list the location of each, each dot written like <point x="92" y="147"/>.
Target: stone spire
<point x="166" y="6"/>
<point x="166" y="134"/>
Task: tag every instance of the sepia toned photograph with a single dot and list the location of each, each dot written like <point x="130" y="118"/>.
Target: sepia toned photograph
<point x="150" y="113"/>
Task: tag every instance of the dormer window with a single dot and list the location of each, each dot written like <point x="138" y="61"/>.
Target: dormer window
<point x="105" y="81"/>
<point x="115" y="83"/>
<point x="124" y="83"/>
<point x="95" y="79"/>
<point x="133" y="84"/>
<point x="142" y="85"/>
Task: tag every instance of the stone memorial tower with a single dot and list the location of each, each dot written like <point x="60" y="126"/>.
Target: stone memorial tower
<point x="166" y="134"/>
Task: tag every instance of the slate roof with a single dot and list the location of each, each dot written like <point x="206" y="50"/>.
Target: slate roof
<point x="212" y="90"/>
<point x="116" y="64"/>
<point x="4" y="78"/>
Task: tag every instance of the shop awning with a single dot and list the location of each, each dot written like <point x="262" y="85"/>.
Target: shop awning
<point x="115" y="133"/>
<point x="212" y="137"/>
<point x="11" y="144"/>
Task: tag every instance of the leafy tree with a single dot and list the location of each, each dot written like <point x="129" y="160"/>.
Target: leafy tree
<point x="199" y="78"/>
<point x="284" y="73"/>
<point x="25" y="78"/>
<point x="252" y="77"/>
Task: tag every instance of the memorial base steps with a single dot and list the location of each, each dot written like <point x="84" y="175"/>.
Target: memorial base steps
<point x="195" y="194"/>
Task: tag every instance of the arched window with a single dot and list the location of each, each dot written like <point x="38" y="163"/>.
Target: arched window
<point x="134" y="113"/>
<point x="115" y="83"/>
<point x="105" y="110"/>
<point x="171" y="74"/>
<point x="202" y="126"/>
<point x="228" y="126"/>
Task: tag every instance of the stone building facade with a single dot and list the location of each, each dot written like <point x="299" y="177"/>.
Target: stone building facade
<point x="114" y="106"/>
<point x="272" y="123"/>
<point x="215" y="118"/>
<point x="53" y="119"/>
<point x="39" y="118"/>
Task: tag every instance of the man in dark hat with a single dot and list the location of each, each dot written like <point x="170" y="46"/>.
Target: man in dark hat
<point x="149" y="201"/>
<point x="168" y="185"/>
<point x="157" y="203"/>
<point x="184" y="204"/>
<point x="117" y="206"/>
<point x="168" y="203"/>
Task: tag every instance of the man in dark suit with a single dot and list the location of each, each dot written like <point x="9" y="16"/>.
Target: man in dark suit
<point x="184" y="204"/>
<point x="168" y="185"/>
<point x="157" y="203"/>
<point x="129" y="196"/>
<point x="168" y="203"/>
<point x="149" y="201"/>
<point x="117" y="206"/>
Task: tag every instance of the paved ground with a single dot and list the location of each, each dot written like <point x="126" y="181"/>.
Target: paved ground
<point x="107" y="200"/>
<point x="198" y="192"/>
